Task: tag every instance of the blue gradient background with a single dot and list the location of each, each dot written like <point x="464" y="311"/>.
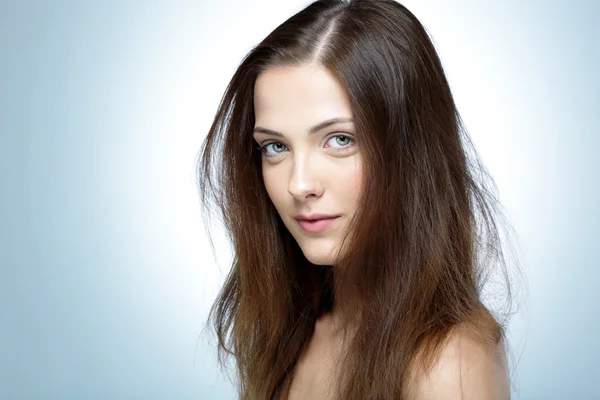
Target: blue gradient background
<point x="106" y="274"/>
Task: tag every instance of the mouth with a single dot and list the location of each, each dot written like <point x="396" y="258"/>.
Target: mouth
<point x="316" y="225"/>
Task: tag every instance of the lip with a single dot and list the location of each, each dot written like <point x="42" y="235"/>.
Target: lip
<point x="311" y="217"/>
<point x="317" y="225"/>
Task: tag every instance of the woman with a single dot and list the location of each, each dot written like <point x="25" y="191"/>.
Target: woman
<point x="361" y="235"/>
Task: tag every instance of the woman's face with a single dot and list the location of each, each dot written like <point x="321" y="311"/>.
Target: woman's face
<point x="310" y="164"/>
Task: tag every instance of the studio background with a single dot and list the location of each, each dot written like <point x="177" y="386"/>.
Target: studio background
<point x="106" y="273"/>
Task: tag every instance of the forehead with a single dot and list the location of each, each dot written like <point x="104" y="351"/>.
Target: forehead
<point x="305" y="95"/>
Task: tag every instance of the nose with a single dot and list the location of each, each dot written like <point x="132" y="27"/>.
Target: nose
<point x="304" y="180"/>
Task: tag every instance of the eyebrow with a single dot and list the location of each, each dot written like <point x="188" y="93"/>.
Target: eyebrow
<point x="314" y="129"/>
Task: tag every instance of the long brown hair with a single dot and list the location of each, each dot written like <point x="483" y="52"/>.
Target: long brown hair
<point x="425" y="235"/>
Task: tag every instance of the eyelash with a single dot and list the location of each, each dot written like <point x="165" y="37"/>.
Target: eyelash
<point x="265" y="154"/>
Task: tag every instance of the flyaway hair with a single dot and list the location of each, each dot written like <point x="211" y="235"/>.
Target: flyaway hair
<point x="426" y="235"/>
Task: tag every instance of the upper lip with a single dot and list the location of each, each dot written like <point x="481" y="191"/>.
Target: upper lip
<point x="310" y="217"/>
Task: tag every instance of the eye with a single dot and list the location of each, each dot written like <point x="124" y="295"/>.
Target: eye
<point x="340" y="143"/>
<point x="278" y="147"/>
<point x="344" y="141"/>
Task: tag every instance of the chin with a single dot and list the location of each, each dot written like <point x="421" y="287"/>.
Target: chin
<point x="318" y="253"/>
<point x="320" y="260"/>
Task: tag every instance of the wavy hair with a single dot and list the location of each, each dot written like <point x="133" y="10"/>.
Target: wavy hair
<point x="421" y="245"/>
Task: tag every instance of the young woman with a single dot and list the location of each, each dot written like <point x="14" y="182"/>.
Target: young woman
<point x="361" y="224"/>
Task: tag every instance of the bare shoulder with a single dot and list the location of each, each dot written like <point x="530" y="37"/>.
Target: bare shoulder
<point x="466" y="369"/>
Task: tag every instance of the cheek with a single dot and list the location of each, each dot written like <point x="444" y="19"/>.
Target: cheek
<point x="349" y="176"/>
<point x="275" y="187"/>
<point x="353" y="180"/>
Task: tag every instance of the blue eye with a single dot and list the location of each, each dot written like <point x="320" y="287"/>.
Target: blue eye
<point x="346" y="142"/>
<point x="275" y="143"/>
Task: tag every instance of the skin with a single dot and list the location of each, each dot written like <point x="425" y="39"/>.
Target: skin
<point x="304" y="172"/>
<point x="466" y="369"/>
<point x="307" y="173"/>
<point x="322" y="173"/>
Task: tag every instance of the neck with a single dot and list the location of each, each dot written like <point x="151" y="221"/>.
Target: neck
<point x="327" y="306"/>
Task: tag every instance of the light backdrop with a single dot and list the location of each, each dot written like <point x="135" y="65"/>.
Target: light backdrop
<point x="106" y="273"/>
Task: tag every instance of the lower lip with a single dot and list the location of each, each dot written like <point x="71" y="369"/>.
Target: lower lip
<point x="317" y="225"/>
